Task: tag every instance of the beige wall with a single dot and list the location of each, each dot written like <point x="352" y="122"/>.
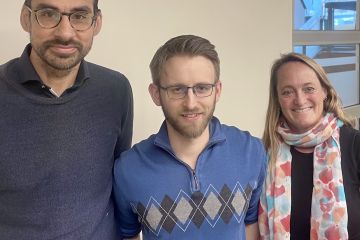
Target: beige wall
<point x="248" y="35"/>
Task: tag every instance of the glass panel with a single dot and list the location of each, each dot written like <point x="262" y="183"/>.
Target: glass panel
<point x="326" y="15"/>
<point x="340" y="63"/>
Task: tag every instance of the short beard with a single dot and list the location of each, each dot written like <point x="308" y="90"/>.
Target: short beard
<point x="58" y="62"/>
<point x="193" y="132"/>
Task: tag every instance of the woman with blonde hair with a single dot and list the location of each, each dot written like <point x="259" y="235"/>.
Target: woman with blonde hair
<point x="312" y="190"/>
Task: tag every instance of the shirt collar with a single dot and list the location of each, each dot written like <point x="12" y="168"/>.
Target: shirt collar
<point x="25" y="69"/>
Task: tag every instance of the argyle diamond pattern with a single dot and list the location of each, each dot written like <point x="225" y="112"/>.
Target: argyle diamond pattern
<point x="199" y="208"/>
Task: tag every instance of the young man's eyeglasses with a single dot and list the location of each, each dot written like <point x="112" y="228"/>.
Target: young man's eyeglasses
<point x="50" y="18"/>
<point x="199" y="90"/>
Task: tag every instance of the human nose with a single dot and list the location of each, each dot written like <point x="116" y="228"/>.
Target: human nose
<point x="300" y="98"/>
<point x="64" y="30"/>
<point x="190" y="98"/>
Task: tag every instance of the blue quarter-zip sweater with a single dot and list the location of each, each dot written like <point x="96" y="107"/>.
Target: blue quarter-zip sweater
<point x="158" y="193"/>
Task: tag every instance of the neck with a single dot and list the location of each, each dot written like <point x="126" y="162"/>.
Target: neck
<point x="188" y="149"/>
<point x="57" y="80"/>
<point x="304" y="149"/>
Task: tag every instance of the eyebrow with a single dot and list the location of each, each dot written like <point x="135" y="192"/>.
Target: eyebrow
<point x="303" y="85"/>
<point x="308" y="84"/>
<point x="76" y="9"/>
<point x="196" y="84"/>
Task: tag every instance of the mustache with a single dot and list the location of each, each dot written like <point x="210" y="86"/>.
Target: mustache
<point x="191" y="111"/>
<point x="61" y="42"/>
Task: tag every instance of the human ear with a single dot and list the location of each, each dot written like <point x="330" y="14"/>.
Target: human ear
<point x="155" y="94"/>
<point x="325" y="93"/>
<point x="25" y="19"/>
<point x="218" y="89"/>
<point x="98" y="23"/>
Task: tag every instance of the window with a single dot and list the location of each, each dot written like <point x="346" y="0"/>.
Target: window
<point x="328" y="31"/>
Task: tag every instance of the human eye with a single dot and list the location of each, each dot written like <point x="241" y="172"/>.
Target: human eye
<point x="177" y="89"/>
<point x="309" y="89"/>
<point x="202" y="88"/>
<point x="287" y="93"/>
<point x="80" y="16"/>
<point x="48" y="13"/>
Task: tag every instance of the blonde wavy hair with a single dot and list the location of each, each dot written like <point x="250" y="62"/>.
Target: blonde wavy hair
<point x="332" y="102"/>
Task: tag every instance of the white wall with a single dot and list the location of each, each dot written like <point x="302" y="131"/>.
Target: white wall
<point x="248" y="35"/>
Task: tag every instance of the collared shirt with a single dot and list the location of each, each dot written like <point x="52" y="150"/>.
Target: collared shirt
<point x="24" y="72"/>
<point x="57" y="154"/>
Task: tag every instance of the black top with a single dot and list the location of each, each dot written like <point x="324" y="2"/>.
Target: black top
<point x="302" y="168"/>
<point x="302" y="185"/>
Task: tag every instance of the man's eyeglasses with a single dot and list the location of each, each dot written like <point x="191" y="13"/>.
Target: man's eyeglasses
<point x="199" y="90"/>
<point x="50" y="18"/>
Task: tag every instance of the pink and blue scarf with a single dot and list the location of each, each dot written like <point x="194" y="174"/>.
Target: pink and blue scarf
<point x="328" y="207"/>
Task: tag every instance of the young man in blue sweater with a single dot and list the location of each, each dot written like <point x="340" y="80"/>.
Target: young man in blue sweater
<point x="196" y="178"/>
<point x="63" y="122"/>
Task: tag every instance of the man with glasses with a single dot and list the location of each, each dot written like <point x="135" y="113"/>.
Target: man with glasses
<point x="63" y="122"/>
<point x="196" y="178"/>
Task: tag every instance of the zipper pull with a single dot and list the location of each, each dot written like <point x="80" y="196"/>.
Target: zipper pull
<point x="196" y="182"/>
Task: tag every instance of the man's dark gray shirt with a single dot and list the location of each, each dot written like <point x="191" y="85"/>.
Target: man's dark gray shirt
<point x="57" y="153"/>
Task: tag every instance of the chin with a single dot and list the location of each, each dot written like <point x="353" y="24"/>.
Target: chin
<point x="305" y="128"/>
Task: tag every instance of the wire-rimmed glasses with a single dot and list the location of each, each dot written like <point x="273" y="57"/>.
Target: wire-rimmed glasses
<point x="179" y="92"/>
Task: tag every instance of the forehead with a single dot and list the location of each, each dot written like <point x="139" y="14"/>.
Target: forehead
<point x="64" y="5"/>
<point x="296" y="73"/>
<point x="188" y="70"/>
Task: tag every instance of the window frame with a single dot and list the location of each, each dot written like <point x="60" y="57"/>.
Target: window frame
<point x="320" y="37"/>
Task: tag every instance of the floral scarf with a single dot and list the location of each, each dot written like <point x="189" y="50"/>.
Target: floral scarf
<point x="328" y="205"/>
